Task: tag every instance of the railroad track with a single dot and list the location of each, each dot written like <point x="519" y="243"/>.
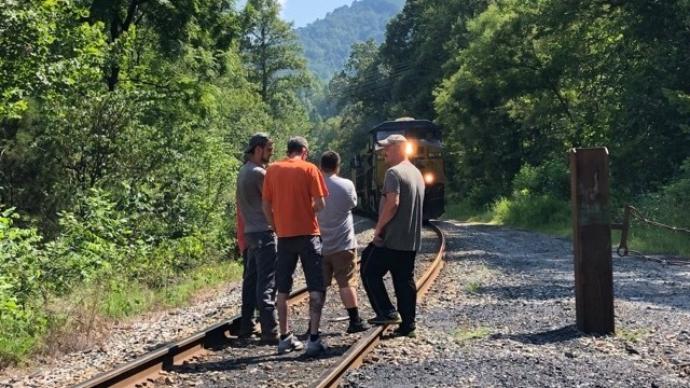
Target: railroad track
<point x="171" y="356"/>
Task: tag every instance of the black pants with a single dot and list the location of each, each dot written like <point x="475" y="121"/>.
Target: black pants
<point x="376" y="262"/>
<point x="308" y="250"/>
<point x="258" y="283"/>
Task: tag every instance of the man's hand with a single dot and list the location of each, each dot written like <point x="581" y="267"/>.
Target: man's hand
<point x="318" y="204"/>
<point x="378" y="241"/>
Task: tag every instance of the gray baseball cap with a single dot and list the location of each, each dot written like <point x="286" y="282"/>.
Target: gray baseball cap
<point x="392" y="140"/>
<point x="257" y="140"/>
<point x="296" y="143"/>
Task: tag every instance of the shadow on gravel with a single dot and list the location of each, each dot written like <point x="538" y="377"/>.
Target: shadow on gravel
<point x="240" y="363"/>
<point x="541" y="292"/>
<point x="563" y="334"/>
<point x="542" y="267"/>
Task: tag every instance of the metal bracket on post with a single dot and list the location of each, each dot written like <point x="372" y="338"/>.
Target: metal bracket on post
<point x="592" y="240"/>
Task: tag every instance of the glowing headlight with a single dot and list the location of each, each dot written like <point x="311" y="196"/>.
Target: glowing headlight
<point x="409" y="149"/>
<point x="429" y="178"/>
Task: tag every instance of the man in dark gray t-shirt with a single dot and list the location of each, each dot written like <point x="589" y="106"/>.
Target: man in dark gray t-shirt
<point x="258" y="280"/>
<point x="397" y="238"/>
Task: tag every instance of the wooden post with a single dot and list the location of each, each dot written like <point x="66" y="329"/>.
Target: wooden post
<point x="589" y="172"/>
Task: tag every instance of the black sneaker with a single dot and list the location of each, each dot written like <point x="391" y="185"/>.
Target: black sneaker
<point x="389" y="319"/>
<point x="408" y="332"/>
<point x="357" y="326"/>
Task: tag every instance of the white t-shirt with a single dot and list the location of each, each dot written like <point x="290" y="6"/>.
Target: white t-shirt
<point x="335" y="220"/>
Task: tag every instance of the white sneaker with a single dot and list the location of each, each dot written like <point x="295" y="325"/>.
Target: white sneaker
<point x="315" y="347"/>
<point x="289" y="344"/>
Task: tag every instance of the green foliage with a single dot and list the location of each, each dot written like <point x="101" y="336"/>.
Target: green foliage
<point x="121" y="129"/>
<point x="549" y="178"/>
<point x="518" y="83"/>
<point x="669" y="206"/>
<point x="541" y="213"/>
<point x="20" y="287"/>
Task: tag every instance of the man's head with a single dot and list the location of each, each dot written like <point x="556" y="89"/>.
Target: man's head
<point x="298" y="146"/>
<point x="330" y="162"/>
<point x="394" y="147"/>
<point x="259" y="148"/>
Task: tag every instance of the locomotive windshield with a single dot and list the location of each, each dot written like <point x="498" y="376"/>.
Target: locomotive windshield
<point x="427" y="134"/>
<point x="420" y="130"/>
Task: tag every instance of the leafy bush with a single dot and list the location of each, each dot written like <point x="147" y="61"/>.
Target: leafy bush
<point x="539" y="212"/>
<point x="20" y="287"/>
<point x="549" y="178"/>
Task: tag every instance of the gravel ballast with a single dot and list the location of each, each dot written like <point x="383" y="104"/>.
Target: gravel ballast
<point x="502" y="314"/>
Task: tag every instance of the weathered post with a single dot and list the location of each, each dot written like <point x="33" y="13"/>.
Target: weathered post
<point x="589" y="172"/>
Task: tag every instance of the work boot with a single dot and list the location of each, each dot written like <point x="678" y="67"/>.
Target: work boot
<point x="357" y="326"/>
<point x="388" y="319"/>
<point x="403" y="331"/>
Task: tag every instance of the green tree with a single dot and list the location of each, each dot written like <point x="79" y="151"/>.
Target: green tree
<point x="273" y="53"/>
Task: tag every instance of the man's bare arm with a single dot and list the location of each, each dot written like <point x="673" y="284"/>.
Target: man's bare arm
<point x="268" y="213"/>
<point x="390" y="207"/>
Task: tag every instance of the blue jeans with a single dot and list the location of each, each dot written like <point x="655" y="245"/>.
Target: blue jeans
<point x="258" y="283"/>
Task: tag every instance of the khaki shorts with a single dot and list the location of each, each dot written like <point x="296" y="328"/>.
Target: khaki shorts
<point x="341" y="266"/>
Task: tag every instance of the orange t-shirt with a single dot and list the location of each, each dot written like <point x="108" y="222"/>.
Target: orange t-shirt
<point x="289" y="186"/>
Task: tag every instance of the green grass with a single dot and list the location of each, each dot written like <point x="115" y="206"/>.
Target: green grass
<point x="473" y="287"/>
<point x="631" y="335"/>
<point x="550" y="216"/>
<point x="76" y="313"/>
<point x="16" y="343"/>
<point x="463" y="335"/>
<point x="134" y="298"/>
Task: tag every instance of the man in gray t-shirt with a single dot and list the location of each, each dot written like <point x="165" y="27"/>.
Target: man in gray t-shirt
<point x="258" y="280"/>
<point x="339" y="247"/>
<point x="397" y="238"/>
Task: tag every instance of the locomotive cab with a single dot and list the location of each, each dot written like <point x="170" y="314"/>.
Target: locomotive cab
<point x="424" y="149"/>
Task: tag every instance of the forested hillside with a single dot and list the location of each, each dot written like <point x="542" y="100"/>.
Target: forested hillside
<point x="517" y="83"/>
<point x="121" y="125"/>
<point x="327" y="41"/>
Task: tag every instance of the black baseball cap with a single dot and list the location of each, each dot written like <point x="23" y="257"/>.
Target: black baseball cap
<point x="257" y="140"/>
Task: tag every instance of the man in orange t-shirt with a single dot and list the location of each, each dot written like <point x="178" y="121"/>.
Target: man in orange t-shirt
<point x="293" y="192"/>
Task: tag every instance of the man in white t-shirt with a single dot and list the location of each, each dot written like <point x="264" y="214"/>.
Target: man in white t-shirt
<point x="338" y="234"/>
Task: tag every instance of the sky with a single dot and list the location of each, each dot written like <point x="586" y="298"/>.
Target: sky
<point x="303" y="12"/>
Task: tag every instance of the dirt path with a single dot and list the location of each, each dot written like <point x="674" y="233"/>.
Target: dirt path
<point x="503" y="313"/>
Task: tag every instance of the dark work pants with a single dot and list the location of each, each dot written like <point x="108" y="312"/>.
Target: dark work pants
<point x="258" y="283"/>
<point x="376" y="262"/>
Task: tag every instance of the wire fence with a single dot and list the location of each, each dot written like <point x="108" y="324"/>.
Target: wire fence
<point x="632" y="212"/>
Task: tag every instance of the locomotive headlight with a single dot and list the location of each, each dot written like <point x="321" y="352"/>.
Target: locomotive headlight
<point x="428" y="178"/>
<point x="409" y="149"/>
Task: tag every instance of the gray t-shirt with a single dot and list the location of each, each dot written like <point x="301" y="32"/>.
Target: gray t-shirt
<point x="335" y="220"/>
<point x="404" y="231"/>
<point x="250" y="181"/>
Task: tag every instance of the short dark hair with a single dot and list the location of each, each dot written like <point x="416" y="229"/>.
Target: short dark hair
<point x="295" y="145"/>
<point x="330" y="161"/>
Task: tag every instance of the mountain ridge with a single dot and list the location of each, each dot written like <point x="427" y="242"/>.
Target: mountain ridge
<point x="327" y="41"/>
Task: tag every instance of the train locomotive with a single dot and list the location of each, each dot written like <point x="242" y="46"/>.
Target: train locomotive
<point x="424" y="149"/>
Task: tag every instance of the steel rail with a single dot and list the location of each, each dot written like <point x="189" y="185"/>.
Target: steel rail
<point x="152" y="363"/>
<point x="354" y="357"/>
